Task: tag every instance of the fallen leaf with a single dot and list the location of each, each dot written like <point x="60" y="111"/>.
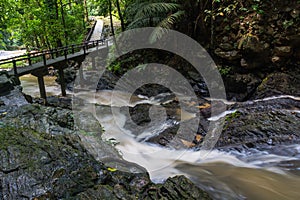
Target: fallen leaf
<point x="111" y="169"/>
<point x="198" y="138"/>
<point x="187" y="143"/>
<point x="206" y="105"/>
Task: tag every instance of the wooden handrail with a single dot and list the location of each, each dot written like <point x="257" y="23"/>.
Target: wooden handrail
<point x="54" y="53"/>
<point x="89" y="35"/>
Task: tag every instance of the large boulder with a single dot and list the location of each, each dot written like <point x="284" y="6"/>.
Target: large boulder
<point x="261" y="123"/>
<point x="41" y="163"/>
<point x="279" y="83"/>
<point x="11" y="91"/>
<point x="7" y="83"/>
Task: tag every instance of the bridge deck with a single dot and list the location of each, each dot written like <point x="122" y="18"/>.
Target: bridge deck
<point x="51" y="62"/>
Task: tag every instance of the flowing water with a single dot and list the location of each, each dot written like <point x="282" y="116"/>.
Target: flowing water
<point x="30" y="86"/>
<point x="255" y="174"/>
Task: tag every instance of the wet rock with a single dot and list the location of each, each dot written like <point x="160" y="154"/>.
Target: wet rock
<point x="33" y="165"/>
<point x="240" y="87"/>
<point x="107" y="81"/>
<point x="254" y="52"/>
<point x="178" y="186"/>
<point x="261" y="123"/>
<point x="295" y="13"/>
<point x="39" y="165"/>
<point x="6" y="83"/>
<point x="54" y="121"/>
<point x="283" y="51"/>
<point x="195" y="76"/>
<point x="14" y="98"/>
<point x="226" y="46"/>
<point x="227" y="55"/>
<point x="62" y="102"/>
<point x="279" y="84"/>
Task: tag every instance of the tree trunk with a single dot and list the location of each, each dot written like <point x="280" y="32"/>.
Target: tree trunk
<point x="111" y="18"/>
<point x="86" y="14"/>
<point x="120" y="15"/>
<point x="58" y="40"/>
<point x="64" y="23"/>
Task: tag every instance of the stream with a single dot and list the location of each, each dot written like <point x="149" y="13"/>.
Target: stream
<point x="251" y="174"/>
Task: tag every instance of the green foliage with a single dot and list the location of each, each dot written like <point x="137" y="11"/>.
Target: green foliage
<point x="288" y="23"/>
<point x="232" y="116"/>
<point x="115" y="67"/>
<point x="155" y="13"/>
<point x="43" y="24"/>
<point x="225" y="70"/>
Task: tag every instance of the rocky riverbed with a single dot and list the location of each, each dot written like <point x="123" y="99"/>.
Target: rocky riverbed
<point x="42" y="157"/>
<point x="45" y="154"/>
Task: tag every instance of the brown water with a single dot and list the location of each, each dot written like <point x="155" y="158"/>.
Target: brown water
<point x="31" y="87"/>
<point x="225" y="175"/>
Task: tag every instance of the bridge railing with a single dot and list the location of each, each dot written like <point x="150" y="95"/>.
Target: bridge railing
<point x="42" y="56"/>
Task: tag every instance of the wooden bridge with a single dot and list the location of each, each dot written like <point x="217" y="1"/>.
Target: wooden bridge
<point x="37" y="63"/>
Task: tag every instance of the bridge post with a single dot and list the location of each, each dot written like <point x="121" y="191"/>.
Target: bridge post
<point x="29" y="59"/>
<point x="93" y="63"/>
<point x="15" y="67"/>
<point x="52" y="54"/>
<point x="42" y="87"/>
<point x="57" y="53"/>
<point x="44" y="58"/>
<point x="81" y="77"/>
<point x="62" y="81"/>
<point x="65" y="52"/>
<point x="73" y="50"/>
<point x="84" y="48"/>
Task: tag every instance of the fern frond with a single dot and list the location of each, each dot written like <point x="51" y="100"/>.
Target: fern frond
<point x="145" y="22"/>
<point x="152" y="9"/>
<point x="166" y="24"/>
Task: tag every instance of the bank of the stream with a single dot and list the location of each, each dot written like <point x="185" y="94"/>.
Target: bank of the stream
<point x="257" y="149"/>
<point x="95" y="150"/>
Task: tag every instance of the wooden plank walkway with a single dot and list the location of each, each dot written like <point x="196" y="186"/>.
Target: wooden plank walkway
<point x="52" y="62"/>
<point x="58" y="58"/>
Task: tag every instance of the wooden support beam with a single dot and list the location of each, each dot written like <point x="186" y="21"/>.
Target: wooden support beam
<point x="44" y="59"/>
<point x="93" y="63"/>
<point x="29" y="59"/>
<point x="81" y="77"/>
<point x="42" y="87"/>
<point x="15" y="67"/>
<point x="62" y="81"/>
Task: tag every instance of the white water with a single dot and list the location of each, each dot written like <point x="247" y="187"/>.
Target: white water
<point x="30" y="86"/>
<point x="233" y="175"/>
<point x="225" y="175"/>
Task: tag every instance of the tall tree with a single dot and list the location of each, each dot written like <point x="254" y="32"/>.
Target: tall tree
<point x="120" y="15"/>
<point x="111" y="17"/>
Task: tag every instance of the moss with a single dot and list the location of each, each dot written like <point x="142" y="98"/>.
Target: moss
<point x="263" y="83"/>
<point x="232" y="116"/>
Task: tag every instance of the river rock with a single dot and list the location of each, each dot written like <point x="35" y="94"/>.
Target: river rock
<point x="40" y="164"/>
<point x="53" y="121"/>
<point x="239" y="87"/>
<point x="6" y="83"/>
<point x="14" y="98"/>
<point x="279" y="83"/>
<point x="227" y="55"/>
<point x="261" y="123"/>
<point x="283" y="51"/>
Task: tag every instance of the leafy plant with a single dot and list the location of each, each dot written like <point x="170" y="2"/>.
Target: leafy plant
<point x="225" y="70"/>
<point x="288" y="23"/>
